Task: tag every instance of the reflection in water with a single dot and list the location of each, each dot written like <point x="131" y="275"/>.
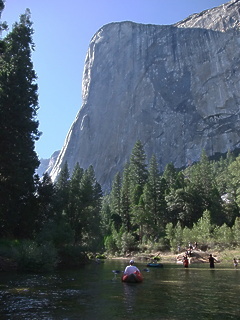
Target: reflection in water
<point x="129" y="290"/>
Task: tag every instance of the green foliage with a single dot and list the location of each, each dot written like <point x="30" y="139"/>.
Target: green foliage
<point x="18" y="130"/>
<point x="72" y="256"/>
<point x="57" y="232"/>
<point x="137" y="172"/>
<point x="154" y="201"/>
<point x="170" y="236"/>
<point x="128" y="243"/>
<point x="126" y="199"/>
<point x="105" y="213"/>
<point x="110" y="244"/>
<point x="187" y="236"/>
<point x="101" y="256"/>
<point x="179" y="206"/>
<point x="45" y="210"/>
<point x="236" y="231"/>
<point x="33" y="257"/>
<point x="62" y="191"/>
<point x="223" y="236"/>
<point x="7" y="247"/>
<point x="202" y="230"/>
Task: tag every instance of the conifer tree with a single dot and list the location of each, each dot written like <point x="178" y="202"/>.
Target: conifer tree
<point x="154" y="199"/>
<point x="74" y="207"/>
<point x="125" y="199"/>
<point x="89" y="231"/>
<point x="62" y="191"/>
<point x="115" y="202"/>
<point x="203" y="189"/>
<point x="170" y="176"/>
<point x="18" y="126"/>
<point x="137" y="172"/>
<point x="45" y="200"/>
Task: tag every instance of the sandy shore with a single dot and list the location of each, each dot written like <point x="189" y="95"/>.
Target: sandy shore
<point x="198" y="256"/>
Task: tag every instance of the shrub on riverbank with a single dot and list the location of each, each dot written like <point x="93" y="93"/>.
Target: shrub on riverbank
<point x="72" y="256"/>
<point x="33" y="257"/>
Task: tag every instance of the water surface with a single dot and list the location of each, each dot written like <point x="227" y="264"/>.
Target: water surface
<point x="93" y="292"/>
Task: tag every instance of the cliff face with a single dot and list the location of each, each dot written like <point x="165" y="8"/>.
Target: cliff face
<point x="46" y="165"/>
<point x="176" y="88"/>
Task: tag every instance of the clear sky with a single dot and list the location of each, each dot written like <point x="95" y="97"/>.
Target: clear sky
<point x="63" y="30"/>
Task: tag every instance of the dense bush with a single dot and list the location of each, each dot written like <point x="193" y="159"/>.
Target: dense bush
<point x="72" y="256"/>
<point x="33" y="257"/>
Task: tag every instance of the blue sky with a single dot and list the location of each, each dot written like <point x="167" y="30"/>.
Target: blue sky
<point x="63" y="30"/>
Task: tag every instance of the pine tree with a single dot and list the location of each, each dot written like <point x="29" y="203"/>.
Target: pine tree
<point x="45" y="199"/>
<point x="18" y="126"/>
<point x="125" y="199"/>
<point x="115" y="202"/>
<point x="62" y="191"/>
<point x="170" y="175"/>
<point x="154" y="199"/>
<point x="74" y="207"/>
<point x="203" y="189"/>
<point x="89" y="232"/>
<point x="137" y="172"/>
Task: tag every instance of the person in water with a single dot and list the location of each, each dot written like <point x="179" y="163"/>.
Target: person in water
<point x="131" y="268"/>
<point x="185" y="261"/>
<point x="211" y="260"/>
<point x="235" y="263"/>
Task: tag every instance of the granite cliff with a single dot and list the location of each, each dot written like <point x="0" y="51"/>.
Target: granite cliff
<point x="174" y="87"/>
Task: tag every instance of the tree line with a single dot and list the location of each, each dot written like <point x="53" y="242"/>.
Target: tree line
<point x="144" y="204"/>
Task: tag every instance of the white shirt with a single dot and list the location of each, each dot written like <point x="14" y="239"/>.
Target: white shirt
<point x="130" y="269"/>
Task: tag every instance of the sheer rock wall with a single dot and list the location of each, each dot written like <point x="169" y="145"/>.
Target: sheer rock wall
<point x="174" y="87"/>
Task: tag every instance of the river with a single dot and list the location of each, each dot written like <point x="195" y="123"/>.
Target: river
<point x="94" y="292"/>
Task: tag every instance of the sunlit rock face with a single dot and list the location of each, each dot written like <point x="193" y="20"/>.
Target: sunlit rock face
<point x="176" y="88"/>
<point x="46" y="165"/>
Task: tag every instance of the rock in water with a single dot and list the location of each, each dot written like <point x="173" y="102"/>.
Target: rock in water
<point x="176" y="88"/>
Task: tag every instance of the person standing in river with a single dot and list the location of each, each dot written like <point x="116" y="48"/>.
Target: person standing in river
<point x="235" y="263"/>
<point x="211" y="260"/>
<point x="185" y="261"/>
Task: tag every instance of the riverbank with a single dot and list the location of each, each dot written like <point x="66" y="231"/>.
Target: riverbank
<point x="224" y="256"/>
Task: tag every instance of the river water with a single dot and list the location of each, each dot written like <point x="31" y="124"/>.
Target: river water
<point x="94" y="292"/>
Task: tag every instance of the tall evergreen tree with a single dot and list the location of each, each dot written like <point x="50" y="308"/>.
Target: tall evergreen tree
<point x="203" y="189"/>
<point x="125" y="199"/>
<point x="115" y="202"/>
<point x="137" y="172"/>
<point x="170" y="175"/>
<point x="45" y="200"/>
<point x="89" y="232"/>
<point x="62" y="191"/>
<point x="154" y="199"/>
<point x="74" y="207"/>
<point x="18" y="126"/>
